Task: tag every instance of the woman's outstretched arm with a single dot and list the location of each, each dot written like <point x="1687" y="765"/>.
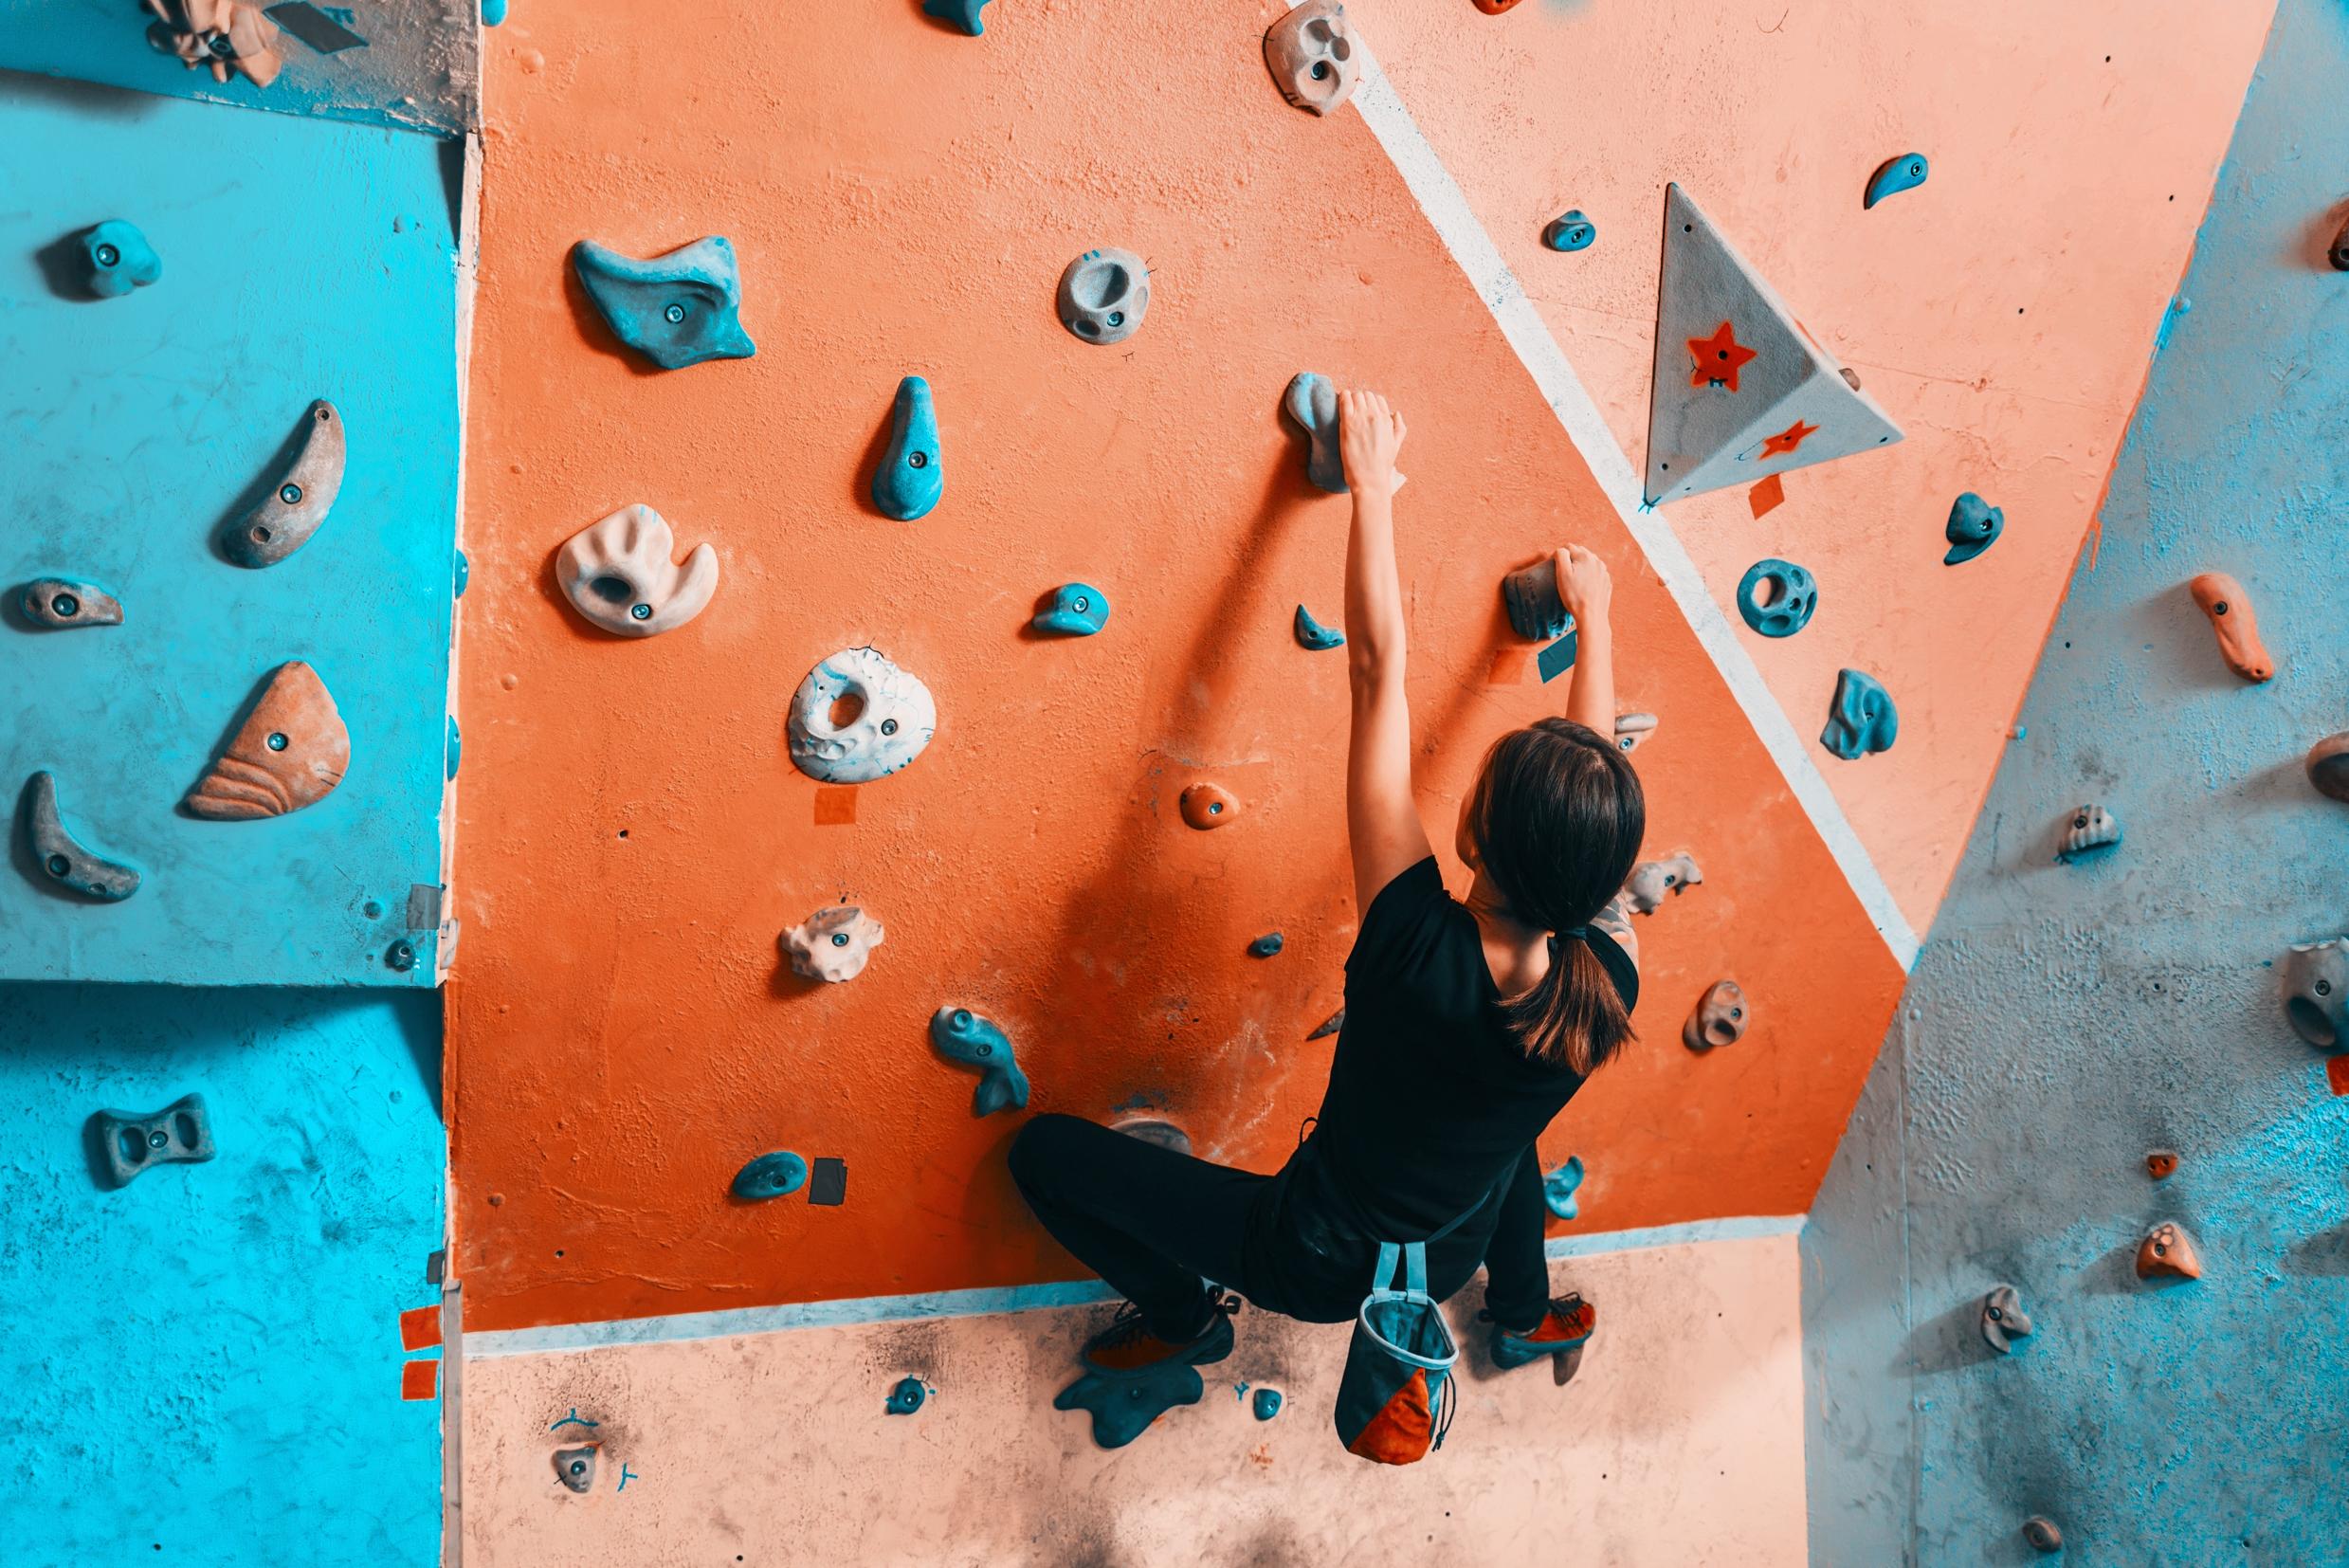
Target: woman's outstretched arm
<point x="1382" y="821"/>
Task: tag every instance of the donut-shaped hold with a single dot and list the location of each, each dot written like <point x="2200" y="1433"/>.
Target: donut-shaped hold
<point x="857" y="718"/>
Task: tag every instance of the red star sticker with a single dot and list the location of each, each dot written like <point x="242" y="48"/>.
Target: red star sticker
<point x="1788" y="439"/>
<point x="1718" y="358"/>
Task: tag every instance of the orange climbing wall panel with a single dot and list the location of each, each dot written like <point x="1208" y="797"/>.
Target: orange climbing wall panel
<point x="624" y="1034"/>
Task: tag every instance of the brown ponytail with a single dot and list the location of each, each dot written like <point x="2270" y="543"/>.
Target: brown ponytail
<point x="1557" y="818"/>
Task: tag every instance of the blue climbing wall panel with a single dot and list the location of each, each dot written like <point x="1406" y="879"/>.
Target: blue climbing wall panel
<point x="205" y="1366"/>
<point x="2067" y="1019"/>
<point x="302" y="259"/>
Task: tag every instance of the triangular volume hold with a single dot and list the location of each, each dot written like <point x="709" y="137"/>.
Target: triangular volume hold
<point x="1741" y="392"/>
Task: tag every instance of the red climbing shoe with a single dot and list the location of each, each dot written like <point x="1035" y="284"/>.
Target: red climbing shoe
<point x="1564" y="1327"/>
<point x="1128" y="1345"/>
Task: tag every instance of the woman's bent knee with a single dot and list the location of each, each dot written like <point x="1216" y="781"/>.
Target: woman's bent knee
<point x="1042" y="1148"/>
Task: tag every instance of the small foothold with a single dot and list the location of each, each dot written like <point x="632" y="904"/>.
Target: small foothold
<point x="2160" y="1164"/>
<point x="2316" y="991"/>
<point x="1329" y="1025"/>
<point x="2043" y="1534"/>
<point x="493" y="12"/>
<point x="463" y="573"/>
<point x="62" y="603"/>
<point x="906" y="1396"/>
<point x="179" y="1134"/>
<point x="1154" y="1129"/>
<point x="2328" y="766"/>
<point x="1310" y="52"/>
<point x="576" y="1468"/>
<point x="2090" y="828"/>
<point x="1777" y="597"/>
<point x="64" y="860"/>
<point x="2168" y="1252"/>
<point x="857" y="717"/>
<point x="1893" y="176"/>
<point x="1207" y="805"/>
<point x="832" y="944"/>
<point x="400" y="956"/>
<point x="962" y="14"/>
<point x="1558" y="1187"/>
<point x="617" y="573"/>
<point x="1267" y="1401"/>
<point x="297" y="504"/>
<point x="1572" y="232"/>
<point x="1077" y="610"/>
<point x="1103" y="296"/>
<point x="1313" y="635"/>
<point x="2222" y="598"/>
<point x="1651" y="881"/>
<point x="1494" y="8"/>
<point x="1718" y="1019"/>
<point x="2004" y="1321"/>
<point x="1863" y="719"/>
<point x="456" y="748"/>
<point x="911" y="476"/>
<point x="291" y="751"/>
<point x="676" y="309"/>
<point x="961" y="1035"/>
<point x="118" y="259"/>
<point x="1534" y="609"/>
<point x="1973" y="526"/>
<point x="1632" y="728"/>
<point x="1123" y="1404"/>
<point x="828" y="1182"/>
<point x="771" y="1176"/>
<point x="1265" y="946"/>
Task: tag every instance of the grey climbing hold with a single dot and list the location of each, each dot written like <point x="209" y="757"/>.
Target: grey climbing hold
<point x="2316" y="991"/>
<point x="1559" y="1187"/>
<point x="1571" y="232"/>
<point x="677" y="309"/>
<point x="1894" y="176"/>
<point x="1266" y="1404"/>
<point x="1265" y="946"/>
<point x="1330" y="1026"/>
<point x="297" y="504"/>
<point x="2328" y="766"/>
<point x="1154" y="1129"/>
<point x="1103" y="296"/>
<point x="1973" y="526"/>
<point x="2004" y="1322"/>
<point x="576" y="1468"/>
<point x="777" y="1175"/>
<point x="1777" y="597"/>
<point x="1653" y="881"/>
<point x="1313" y="635"/>
<point x="2042" y="1534"/>
<point x="1077" y="609"/>
<point x="1311" y="55"/>
<point x="116" y="259"/>
<point x="906" y="1398"/>
<point x="1123" y="1404"/>
<point x="60" y="858"/>
<point x="1311" y="404"/>
<point x="2090" y="828"/>
<point x="828" y="1182"/>
<point x="912" y="476"/>
<point x="1719" y="1018"/>
<point x="1863" y="719"/>
<point x="62" y="603"/>
<point x="961" y="1035"/>
<point x="1534" y="609"/>
<point x="893" y="719"/>
<point x="179" y="1134"/>
<point x="1632" y="728"/>
<point x="617" y="571"/>
<point x="833" y="944"/>
<point x="962" y="14"/>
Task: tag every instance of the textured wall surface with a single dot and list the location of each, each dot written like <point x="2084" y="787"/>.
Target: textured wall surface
<point x="1993" y="310"/>
<point x="2066" y="1019"/>
<point x="204" y="1366"/>
<point x="301" y="260"/>
<point x="1679" y="1442"/>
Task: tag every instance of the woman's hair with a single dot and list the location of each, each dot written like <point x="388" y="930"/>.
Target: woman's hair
<point x="1557" y="818"/>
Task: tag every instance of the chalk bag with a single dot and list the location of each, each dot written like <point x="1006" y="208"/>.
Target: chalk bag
<point x="1396" y="1401"/>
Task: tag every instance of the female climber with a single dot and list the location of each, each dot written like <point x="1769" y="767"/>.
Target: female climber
<point x="1469" y="1022"/>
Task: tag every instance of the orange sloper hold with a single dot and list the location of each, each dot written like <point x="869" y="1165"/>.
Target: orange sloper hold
<point x="291" y="752"/>
<point x="2168" y="1252"/>
<point x="2222" y="598"/>
<point x="1209" y="806"/>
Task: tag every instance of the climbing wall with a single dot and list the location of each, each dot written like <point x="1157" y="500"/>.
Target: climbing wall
<point x="2073" y="1018"/>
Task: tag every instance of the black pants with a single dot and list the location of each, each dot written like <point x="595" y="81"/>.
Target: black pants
<point x="1152" y="1222"/>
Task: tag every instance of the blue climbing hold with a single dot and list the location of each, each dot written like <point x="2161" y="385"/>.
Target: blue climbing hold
<point x="464" y="574"/>
<point x="456" y="746"/>
<point x="118" y="259"/>
<point x="910" y="479"/>
<point x="963" y="1036"/>
<point x="908" y="1396"/>
<point x="1572" y="232"/>
<point x="771" y="1176"/>
<point x="1312" y="402"/>
<point x="1777" y="597"/>
<point x="1557" y="1188"/>
<point x="1975" y="525"/>
<point x="1077" y="610"/>
<point x="1863" y="719"/>
<point x="676" y="310"/>
<point x="962" y="14"/>
<point x="1266" y="946"/>
<point x="1267" y="1403"/>
<point x="1313" y="635"/>
<point x="1894" y="176"/>
<point x="1124" y="1403"/>
<point x="493" y="12"/>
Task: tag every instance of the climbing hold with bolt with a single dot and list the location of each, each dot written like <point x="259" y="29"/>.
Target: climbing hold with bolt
<point x="776" y="1174"/>
<point x="961" y="1035"/>
<point x="2316" y="991"/>
<point x="1719" y="1018"/>
<point x="1266" y="1403"/>
<point x="1653" y="881"/>
<point x="2004" y="1322"/>
<point x="2222" y="598"/>
<point x="2091" y="828"/>
<point x="60" y="604"/>
<point x="617" y="573"/>
<point x="1310" y="52"/>
<point x="1894" y="176"/>
<point x="576" y="1468"/>
<point x="1570" y="232"/>
<point x="906" y="1396"/>
<point x="911" y="476"/>
<point x="60" y="857"/>
<point x="2042" y="1535"/>
<point x="1265" y="946"/>
<point x="1862" y="719"/>
<point x="677" y="309"/>
<point x="296" y="506"/>
<point x="179" y="1134"/>
<point x="1560" y="1185"/>
<point x="1076" y="610"/>
<point x="1632" y="728"/>
<point x="2168" y="1252"/>
<point x="857" y="718"/>
<point x="1973" y="526"/>
<point x="832" y="944"/>
<point x="291" y="751"/>
<point x="1205" y="806"/>
<point x="1103" y="296"/>
<point x="1124" y="1404"/>
<point x="117" y="258"/>
<point x="1312" y="634"/>
<point x="1777" y="597"/>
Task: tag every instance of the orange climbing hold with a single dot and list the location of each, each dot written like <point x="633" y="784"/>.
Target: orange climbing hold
<point x="2168" y="1252"/>
<point x="2222" y="598"/>
<point x="2161" y="1163"/>
<point x="1786" y="441"/>
<point x="1718" y="358"/>
<point x="1209" y="806"/>
<point x="291" y="752"/>
<point x="1494" y="8"/>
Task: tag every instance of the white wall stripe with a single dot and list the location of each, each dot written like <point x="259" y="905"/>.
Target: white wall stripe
<point x="1447" y="208"/>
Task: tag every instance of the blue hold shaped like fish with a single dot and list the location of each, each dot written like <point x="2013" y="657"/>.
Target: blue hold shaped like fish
<point x="908" y="1396"/>
<point x="1863" y="719"/>
<point x="1975" y="525"/>
<point x="771" y="1176"/>
<point x="1313" y="635"/>
<point x="118" y="259"/>
<point x="1894" y="176"/>
<point x="1557" y="1188"/>
<point x="1572" y="232"/>
<point x="910" y="480"/>
<point x="1123" y="1404"/>
<point x="676" y="310"/>
<point x="961" y="1035"/>
<point x="961" y="14"/>
<point x="1077" y="610"/>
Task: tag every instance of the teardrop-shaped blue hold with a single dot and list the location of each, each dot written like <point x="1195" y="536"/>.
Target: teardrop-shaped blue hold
<point x="771" y="1176"/>
<point x="962" y="14"/>
<point x="1572" y="232"/>
<point x="1077" y="610"/>
<point x="1313" y="635"/>
<point x="910" y="480"/>
<point x="1894" y="176"/>
<point x="676" y="310"/>
<point x="1267" y="1403"/>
